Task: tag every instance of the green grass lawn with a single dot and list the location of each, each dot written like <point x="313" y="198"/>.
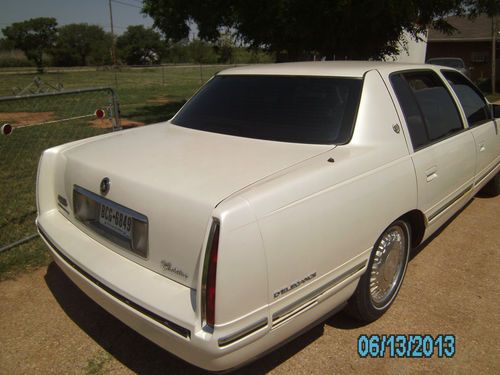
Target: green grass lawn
<point x="18" y="165"/>
<point x="145" y="95"/>
<point x="137" y="88"/>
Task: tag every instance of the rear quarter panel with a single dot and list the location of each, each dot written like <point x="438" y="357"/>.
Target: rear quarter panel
<point x="241" y="267"/>
<point x="323" y="217"/>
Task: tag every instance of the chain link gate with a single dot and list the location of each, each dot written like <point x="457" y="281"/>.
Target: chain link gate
<point x="32" y="123"/>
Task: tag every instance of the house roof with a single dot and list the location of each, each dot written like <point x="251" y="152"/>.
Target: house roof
<point x="478" y="29"/>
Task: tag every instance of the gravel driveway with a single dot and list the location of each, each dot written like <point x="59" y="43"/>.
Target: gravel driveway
<point x="452" y="287"/>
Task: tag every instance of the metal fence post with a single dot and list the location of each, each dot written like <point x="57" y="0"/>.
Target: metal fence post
<point x="116" y="76"/>
<point x="117" y="123"/>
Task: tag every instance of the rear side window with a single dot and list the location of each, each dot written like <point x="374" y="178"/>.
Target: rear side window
<point x="300" y="109"/>
<point x="429" y="109"/>
<point x="475" y="107"/>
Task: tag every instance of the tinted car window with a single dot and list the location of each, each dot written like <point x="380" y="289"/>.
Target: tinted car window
<point x="411" y="110"/>
<point x="281" y="108"/>
<point x="428" y="107"/>
<point x="475" y="107"/>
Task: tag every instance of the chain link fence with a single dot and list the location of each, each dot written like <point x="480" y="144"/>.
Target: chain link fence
<point x="31" y="124"/>
<point x="17" y="80"/>
<point x="51" y="109"/>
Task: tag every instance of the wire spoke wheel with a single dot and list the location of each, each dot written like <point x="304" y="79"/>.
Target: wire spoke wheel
<point x="388" y="265"/>
<point x="379" y="285"/>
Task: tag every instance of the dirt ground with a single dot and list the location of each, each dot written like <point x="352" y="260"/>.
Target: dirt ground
<point x="20" y="119"/>
<point x="452" y="287"/>
<point x="106" y="123"/>
<point x="161" y="100"/>
<point x="26" y="118"/>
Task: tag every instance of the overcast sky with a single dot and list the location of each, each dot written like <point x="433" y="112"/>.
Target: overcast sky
<point x="75" y="11"/>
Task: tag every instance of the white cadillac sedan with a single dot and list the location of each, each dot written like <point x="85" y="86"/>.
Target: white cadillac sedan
<point x="275" y="197"/>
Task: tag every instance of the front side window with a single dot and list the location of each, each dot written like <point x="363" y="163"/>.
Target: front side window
<point x="301" y="109"/>
<point x="429" y="109"/>
<point x="475" y="107"/>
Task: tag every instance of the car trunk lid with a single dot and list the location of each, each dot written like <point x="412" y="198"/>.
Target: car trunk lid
<point x="173" y="177"/>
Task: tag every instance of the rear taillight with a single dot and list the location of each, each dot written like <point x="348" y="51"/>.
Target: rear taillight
<point x="210" y="275"/>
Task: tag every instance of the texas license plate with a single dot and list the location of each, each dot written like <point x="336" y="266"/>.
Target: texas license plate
<point x="116" y="220"/>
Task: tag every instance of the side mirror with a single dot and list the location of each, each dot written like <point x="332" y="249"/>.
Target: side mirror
<point x="495" y="109"/>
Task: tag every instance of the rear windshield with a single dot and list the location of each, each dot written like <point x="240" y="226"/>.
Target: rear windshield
<point x="299" y="109"/>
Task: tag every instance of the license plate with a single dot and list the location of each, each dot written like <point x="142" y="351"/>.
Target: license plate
<point x="119" y="224"/>
<point x="116" y="220"/>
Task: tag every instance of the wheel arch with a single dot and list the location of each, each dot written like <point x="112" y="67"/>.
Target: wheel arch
<point x="416" y="220"/>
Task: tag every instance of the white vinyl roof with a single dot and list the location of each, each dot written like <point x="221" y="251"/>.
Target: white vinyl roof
<point x="322" y="68"/>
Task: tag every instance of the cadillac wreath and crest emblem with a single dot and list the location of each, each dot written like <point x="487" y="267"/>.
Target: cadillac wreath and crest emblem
<point x="105" y="185"/>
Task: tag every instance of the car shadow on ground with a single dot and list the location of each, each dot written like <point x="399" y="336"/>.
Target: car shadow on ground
<point x="417" y="250"/>
<point x="136" y="352"/>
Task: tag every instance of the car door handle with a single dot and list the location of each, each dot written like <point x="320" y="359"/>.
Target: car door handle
<point x="482" y="147"/>
<point x="431" y="174"/>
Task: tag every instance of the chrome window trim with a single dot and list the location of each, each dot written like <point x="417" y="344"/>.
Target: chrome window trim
<point x="458" y="105"/>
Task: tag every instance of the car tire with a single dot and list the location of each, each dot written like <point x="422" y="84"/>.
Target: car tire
<point x="384" y="275"/>
<point x="492" y="188"/>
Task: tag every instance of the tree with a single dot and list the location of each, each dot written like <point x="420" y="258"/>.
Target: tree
<point x="139" y="45"/>
<point x="81" y="44"/>
<point x="33" y="37"/>
<point x="492" y="9"/>
<point x="178" y="52"/>
<point x="6" y="45"/>
<point x="225" y="47"/>
<point x="297" y="29"/>
<point x="201" y="52"/>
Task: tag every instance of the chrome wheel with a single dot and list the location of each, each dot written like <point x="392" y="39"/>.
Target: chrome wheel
<point x="388" y="266"/>
<point x="379" y="285"/>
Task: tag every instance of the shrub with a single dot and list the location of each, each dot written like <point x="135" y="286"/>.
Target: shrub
<point x="14" y="58"/>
